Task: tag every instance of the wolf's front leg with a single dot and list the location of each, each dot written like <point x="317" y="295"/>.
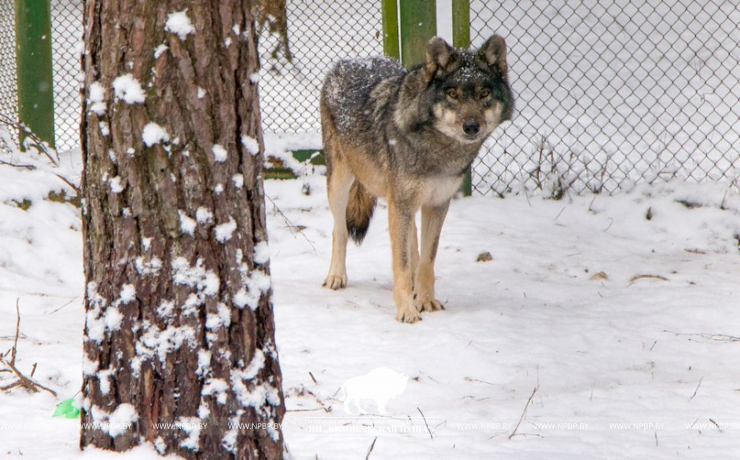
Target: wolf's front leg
<point x="432" y="218"/>
<point x="400" y="221"/>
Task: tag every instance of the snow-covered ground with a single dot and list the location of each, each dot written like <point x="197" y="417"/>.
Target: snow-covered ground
<point x="627" y="327"/>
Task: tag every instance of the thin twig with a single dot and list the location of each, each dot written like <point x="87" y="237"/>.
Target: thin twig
<point x="697" y="389"/>
<point x="293" y="228"/>
<point x="40" y="145"/>
<point x="524" y="412"/>
<point x="370" y="450"/>
<point x="307" y="410"/>
<point x="17" y="332"/>
<point x="56" y="310"/>
<point x="425" y="423"/>
<point x="715" y="337"/>
<point x="7" y="163"/>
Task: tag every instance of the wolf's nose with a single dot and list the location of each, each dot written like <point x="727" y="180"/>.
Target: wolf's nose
<point x="471" y="127"/>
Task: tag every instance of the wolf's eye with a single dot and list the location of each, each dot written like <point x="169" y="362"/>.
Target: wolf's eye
<point x="485" y="93"/>
<point x="451" y="93"/>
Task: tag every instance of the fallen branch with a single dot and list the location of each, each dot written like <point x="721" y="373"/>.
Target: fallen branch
<point x="23" y="381"/>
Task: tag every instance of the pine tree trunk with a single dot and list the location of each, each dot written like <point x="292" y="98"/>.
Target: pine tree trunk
<point x="179" y="325"/>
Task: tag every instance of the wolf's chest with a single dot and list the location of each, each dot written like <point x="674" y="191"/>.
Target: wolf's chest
<point x="437" y="190"/>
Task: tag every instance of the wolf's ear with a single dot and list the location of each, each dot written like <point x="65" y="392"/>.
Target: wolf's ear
<point x="440" y="57"/>
<point x="493" y="54"/>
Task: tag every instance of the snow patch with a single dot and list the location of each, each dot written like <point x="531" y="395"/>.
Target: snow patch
<point x="205" y="281"/>
<point x="187" y="224"/>
<point x="220" y="319"/>
<point x="154" y="134"/>
<point x="115" y="185"/>
<point x="204" y="363"/>
<point x="257" y="283"/>
<point x="160" y="50"/>
<point x="219" y="153"/>
<point x="261" y="253"/>
<point x="104" y="128"/>
<point x="104" y="379"/>
<point x="129" y="89"/>
<point x="251" y="144"/>
<point x="192" y="426"/>
<point x="113" y="319"/>
<point x="128" y="293"/>
<point x="224" y="231"/>
<point x="89" y="367"/>
<point x="158" y="343"/>
<point x="166" y="309"/>
<point x="238" y="180"/>
<point x="179" y="24"/>
<point x="203" y="215"/>
<point x="217" y="388"/>
<point x="96" y="99"/>
<point x="148" y="268"/>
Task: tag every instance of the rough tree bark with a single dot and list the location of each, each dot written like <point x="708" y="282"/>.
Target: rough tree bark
<point x="179" y="325"/>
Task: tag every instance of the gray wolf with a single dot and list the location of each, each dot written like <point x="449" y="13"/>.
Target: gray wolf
<point x="381" y="384"/>
<point x="407" y="136"/>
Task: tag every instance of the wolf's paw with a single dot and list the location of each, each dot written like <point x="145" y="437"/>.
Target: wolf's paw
<point x="335" y="282"/>
<point x="430" y="305"/>
<point x="407" y="314"/>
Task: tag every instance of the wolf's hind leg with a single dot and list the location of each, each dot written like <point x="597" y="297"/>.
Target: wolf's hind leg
<point x="432" y="219"/>
<point x="339" y="183"/>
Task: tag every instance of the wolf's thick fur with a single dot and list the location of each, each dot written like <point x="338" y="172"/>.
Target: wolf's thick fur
<point x="409" y="137"/>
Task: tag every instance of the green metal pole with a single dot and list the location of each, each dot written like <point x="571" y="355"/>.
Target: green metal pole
<point x="390" y="28"/>
<point x="461" y="39"/>
<point x="461" y="24"/>
<point x="33" y="68"/>
<point x="418" y="25"/>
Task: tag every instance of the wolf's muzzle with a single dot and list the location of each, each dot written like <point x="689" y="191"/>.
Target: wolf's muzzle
<point x="471" y="127"/>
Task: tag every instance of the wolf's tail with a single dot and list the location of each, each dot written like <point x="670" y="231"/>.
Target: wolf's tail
<point x="359" y="212"/>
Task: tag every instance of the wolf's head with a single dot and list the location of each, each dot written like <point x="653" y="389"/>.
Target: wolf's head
<point x="469" y="91"/>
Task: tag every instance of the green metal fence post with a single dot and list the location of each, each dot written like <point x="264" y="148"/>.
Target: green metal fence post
<point x="33" y="68"/>
<point x="390" y="28"/>
<point x="461" y="39"/>
<point x="418" y="25"/>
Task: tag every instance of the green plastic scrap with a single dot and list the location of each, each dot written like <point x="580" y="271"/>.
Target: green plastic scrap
<point x="67" y="409"/>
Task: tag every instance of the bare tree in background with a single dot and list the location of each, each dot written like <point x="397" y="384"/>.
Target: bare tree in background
<point x="179" y="333"/>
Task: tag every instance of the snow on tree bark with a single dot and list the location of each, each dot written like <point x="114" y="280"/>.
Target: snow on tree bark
<point x="179" y="326"/>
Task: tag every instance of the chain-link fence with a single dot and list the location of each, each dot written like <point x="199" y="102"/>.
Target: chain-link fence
<point x="66" y="44"/>
<point x="608" y="93"/>
<point x="66" y="25"/>
<point x="319" y="32"/>
<point x="8" y="88"/>
<point x="614" y="92"/>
